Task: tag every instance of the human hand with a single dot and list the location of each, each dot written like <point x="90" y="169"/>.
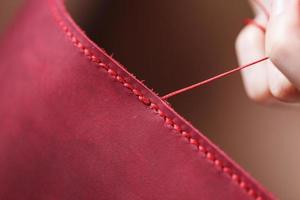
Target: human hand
<point x="278" y="79"/>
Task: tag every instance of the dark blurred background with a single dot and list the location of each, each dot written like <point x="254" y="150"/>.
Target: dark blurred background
<point x="173" y="43"/>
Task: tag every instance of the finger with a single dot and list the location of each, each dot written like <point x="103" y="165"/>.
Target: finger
<point x="250" y="45"/>
<point x="283" y="39"/>
<point x="280" y="87"/>
<point x="261" y="7"/>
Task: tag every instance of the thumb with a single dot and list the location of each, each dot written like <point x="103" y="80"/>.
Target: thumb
<point x="283" y="38"/>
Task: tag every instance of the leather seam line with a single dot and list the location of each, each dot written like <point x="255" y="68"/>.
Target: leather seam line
<point x="238" y="180"/>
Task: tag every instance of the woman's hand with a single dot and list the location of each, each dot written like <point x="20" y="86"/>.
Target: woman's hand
<point x="278" y="78"/>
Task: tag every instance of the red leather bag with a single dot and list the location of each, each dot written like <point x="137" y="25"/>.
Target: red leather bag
<point x="75" y="124"/>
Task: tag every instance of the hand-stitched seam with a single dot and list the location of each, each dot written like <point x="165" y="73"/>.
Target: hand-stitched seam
<point x="195" y="142"/>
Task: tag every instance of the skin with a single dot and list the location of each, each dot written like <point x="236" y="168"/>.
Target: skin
<point x="278" y="79"/>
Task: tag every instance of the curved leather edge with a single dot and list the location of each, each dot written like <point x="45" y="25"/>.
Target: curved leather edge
<point x="172" y="120"/>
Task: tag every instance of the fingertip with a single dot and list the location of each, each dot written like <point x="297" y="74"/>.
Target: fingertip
<point x="288" y="93"/>
<point x="258" y="92"/>
<point x="280" y="87"/>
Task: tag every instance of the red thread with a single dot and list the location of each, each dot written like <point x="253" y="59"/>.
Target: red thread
<point x="172" y="94"/>
<point x="195" y="142"/>
<point x="248" y="21"/>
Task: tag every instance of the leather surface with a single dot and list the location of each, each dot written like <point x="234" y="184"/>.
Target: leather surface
<point x="74" y="124"/>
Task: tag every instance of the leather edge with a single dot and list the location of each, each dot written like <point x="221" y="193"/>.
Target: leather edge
<point x="172" y="120"/>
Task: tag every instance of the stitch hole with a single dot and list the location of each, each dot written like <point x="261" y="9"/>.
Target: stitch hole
<point x="103" y="65"/>
<point x="136" y="92"/>
<point x="176" y="127"/>
<point x="160" y="113"/>
<point x="168" y="121"/>
<point x="65" y="28"/>
<point x="227" y="170"/>
<point x="186" y="135"/>
<point x="120" y="79"/>
<point x="201" y="149"/>
<point x="144" y="100"/>
<point x="94" y="59"/>
<point x="209" y="156"/>
<point x="127" y="86"/>
<point x="154" y="106"/>
<point x="86" y="52"/>
<point x="112" y="73"/>
<point x="235" y="177"/>
<point x="243" y="184"/>
<point x="74" y="40"/>
<point x="194" y="142"/>
<point x="69" y="34"/>
<point x="218" y="163"/>
<point x="61" y="24"/>
<point x="251" y="192"/>
<point x="80" y="46"/>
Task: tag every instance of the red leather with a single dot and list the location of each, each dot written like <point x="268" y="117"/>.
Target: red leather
<point x="74" y="124"/>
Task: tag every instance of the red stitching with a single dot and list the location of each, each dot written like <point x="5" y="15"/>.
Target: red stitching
<point x="195" y="142"/>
